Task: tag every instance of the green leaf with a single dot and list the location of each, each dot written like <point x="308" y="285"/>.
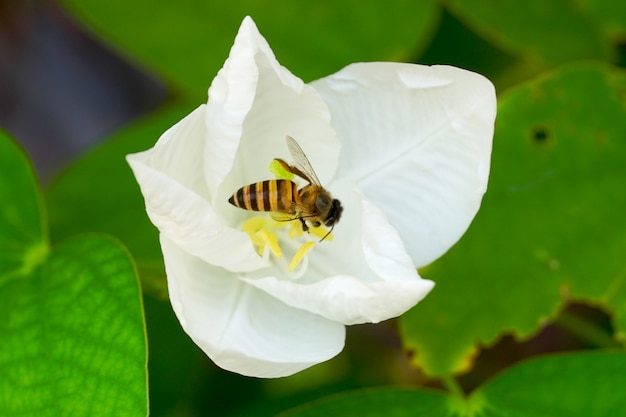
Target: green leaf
<point x="611" y="16"/>
<point x="388" y="402"/>
<point x="551" y="228"/>
<point x="544" y="32"/>
<point x="99" y="194"/>
<point x="576" y="384"/>
<point x="72" y="338"/>
<point x="189" y="41"/>
<point x="581" y="384"/>
<point x="23" y="241"/>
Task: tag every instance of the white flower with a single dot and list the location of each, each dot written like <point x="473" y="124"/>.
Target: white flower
<point x="405" y="148"/>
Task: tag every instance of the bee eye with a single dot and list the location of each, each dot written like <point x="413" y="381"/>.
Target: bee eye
<point x="322" y="202"/>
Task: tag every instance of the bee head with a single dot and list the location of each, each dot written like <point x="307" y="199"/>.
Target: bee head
<point x="334" y="214"/>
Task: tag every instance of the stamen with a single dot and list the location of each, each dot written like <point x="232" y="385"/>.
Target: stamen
<point x="299" y="273"/>
<point x="253" y="224"/>
<point x="297" y="258"/>
<point x="252" y="227"/>
<point x="266" y="233"/>
<point x="295" y="231"/>
<point x="264" y="251"/>
<point x="271" y="240"/>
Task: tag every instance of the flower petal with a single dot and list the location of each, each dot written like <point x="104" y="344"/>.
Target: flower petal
<point x="254" y="103"/>
<point x="172" y="186"/>
<point x="417" y="141"/>
<point x="365" y="284"/>
<point x="241" y="328"/>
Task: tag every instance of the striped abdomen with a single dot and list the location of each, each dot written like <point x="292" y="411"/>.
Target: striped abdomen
<point x="269" y="195"/>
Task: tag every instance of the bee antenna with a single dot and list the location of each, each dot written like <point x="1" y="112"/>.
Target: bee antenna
<point x="326" y="235"/>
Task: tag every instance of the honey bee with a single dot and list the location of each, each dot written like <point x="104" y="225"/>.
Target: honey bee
<point x="282" y="198"/>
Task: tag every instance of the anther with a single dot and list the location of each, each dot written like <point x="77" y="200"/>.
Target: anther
<point x="297" y="258"/>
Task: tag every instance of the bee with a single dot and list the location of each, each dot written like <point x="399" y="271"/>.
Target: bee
<point x="282" y="198"/>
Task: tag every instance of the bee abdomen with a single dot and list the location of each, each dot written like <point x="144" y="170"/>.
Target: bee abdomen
<point x="269" y="195"/>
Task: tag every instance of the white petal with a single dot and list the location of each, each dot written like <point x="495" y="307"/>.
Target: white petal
<point x="417" y="141"/>
<point x="178" y="152"/>
<point x="254" y="103"/>
<point x="242" y="329"/>
<point x="176" y="200"/>
<point x="346" y="298"/>
<point x="370" y="276"/>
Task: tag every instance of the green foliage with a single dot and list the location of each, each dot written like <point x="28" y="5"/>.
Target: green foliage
<point x="72" y="335"/>
<point x="188" y="41"/>
<point x="544" y="32"/>
<point x="388" y="402"/>
<point x="22" y="237"/>
<point x="558" y="386"/>
<point x="551" y="227"/>
<point x="114" y="204"/>
<point x="584" y="384"/>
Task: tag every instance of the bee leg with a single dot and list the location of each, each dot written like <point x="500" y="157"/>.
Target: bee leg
<point x="305" y="227"/>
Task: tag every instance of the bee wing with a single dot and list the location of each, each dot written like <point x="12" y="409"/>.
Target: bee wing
<point x="301" y="162"/>
<point x="292" y="211"/>
<point x="296" y="212"/>
<point x="287" y="217"/>
<point x="283" y="217"/>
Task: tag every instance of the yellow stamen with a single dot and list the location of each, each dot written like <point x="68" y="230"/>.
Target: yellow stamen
<point x="253" y="224"/>
<point x="264" y="234"/>
<point x="281" y="224"/>
<point x="295" y="231"/>
<point x="297" y="258"/>
<point x="252" y="227"/>
<point x="320" y="232"/>
<point x="271" y="240"/>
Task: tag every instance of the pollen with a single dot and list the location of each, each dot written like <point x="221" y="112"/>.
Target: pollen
<point x="300" y="254"/>
<point x="279" y="171"/>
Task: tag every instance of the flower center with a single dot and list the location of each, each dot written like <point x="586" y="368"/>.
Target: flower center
<point x="266" y="234"/>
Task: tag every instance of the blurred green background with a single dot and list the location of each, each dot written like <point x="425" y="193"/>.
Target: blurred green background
<point x="542" y="268"/>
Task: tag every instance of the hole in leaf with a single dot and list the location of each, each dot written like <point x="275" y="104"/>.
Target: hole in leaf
<point x="540" y="134"/>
